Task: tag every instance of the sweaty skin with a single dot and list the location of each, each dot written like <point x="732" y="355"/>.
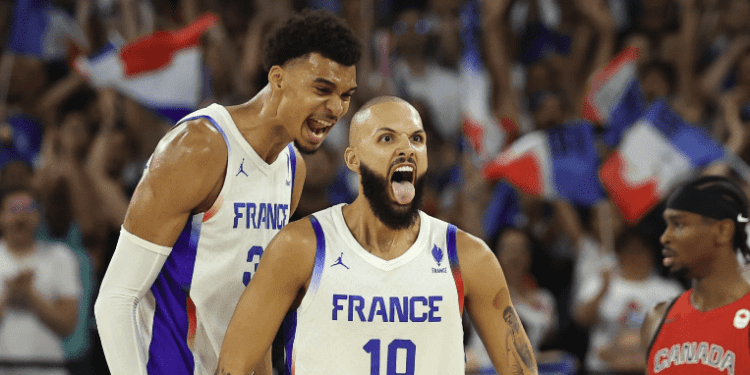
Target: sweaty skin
<point x="384" y="130"/>
<point x="301" y="103"/>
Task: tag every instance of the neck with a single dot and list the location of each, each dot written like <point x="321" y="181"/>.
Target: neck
<point x="20" y="248"/>
<point x="373" y="235"/>
<point x="721" y="286"/>
<point x="258" y="121"/>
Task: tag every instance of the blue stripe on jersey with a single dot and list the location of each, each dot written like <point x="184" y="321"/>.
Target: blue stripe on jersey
<point x="288" y="331"/>
<point x="217" y="126"/>
<point x="169" y="352"/>
<point x="451" y="239"/>
<point x="289" y="326"/>
<point x="320" y="256"/>
<point x="293" y="162"/>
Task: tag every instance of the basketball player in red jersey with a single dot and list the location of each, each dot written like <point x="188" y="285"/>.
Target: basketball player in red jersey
<point x="705" y="330"/>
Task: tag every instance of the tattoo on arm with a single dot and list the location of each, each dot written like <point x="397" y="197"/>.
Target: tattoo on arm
<point x="522" y="348"/>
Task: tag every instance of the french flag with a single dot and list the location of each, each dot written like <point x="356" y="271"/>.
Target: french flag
<point x="162" y="71"/>
<point x="615" y="99"/>
<point x="557" y="163"/>
<point x="43" y="31"/>
<point x="657" y="151"/>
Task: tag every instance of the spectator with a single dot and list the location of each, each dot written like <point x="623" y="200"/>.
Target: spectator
<point x="615" y="303"/>
<point x="536" y="307"/>
<point x="40" y="290"/>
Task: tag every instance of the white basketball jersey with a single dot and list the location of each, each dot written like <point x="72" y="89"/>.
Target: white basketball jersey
<point x="186" y="313"/>
<point x="363" y="315"/>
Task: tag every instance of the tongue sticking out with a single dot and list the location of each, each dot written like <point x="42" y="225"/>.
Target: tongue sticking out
<point x="404" y="191"/>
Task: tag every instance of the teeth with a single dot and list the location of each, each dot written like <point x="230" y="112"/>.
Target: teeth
<point x="405" y="168"/>
<point x="324" y="123"/>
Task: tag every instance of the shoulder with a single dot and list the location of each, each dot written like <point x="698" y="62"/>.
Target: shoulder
<point x="292" y="251"/>
<point x="296" y="235"/>
<point x="652" y="321"/>
<point x="194" y="141"/>
<point x="472" y="250"/>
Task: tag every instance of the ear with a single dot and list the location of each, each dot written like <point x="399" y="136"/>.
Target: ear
<point x="351" y="160"/>
<point x="725" y="232"/>
<point x="275" y="77"/>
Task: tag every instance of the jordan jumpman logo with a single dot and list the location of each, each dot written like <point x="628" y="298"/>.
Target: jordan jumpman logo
<point x="338" y="261"/>
<point x="241" y="170"/>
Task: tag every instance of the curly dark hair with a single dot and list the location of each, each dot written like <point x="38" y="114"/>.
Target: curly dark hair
<point x="312" y="31"/>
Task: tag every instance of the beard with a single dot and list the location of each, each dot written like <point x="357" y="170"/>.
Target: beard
<point x="395" y="216"/>
<point x="304" y="150"/>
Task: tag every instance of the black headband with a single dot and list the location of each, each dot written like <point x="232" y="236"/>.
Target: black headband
<point x="711" y="202"/>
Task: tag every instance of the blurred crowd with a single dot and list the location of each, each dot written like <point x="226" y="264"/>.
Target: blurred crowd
<point x="581" y="277"/>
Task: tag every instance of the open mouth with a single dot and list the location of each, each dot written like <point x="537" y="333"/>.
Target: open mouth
<point x="402" y="183"/>
<point x="318" y="128"/>
<point x="403" y="173"/>
<point x="668" y="257"/>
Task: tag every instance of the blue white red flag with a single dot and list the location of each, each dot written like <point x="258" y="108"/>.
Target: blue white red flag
<point x="615" y="99"/>
<point x="657" y="151"/>
<point x="162" y="71"/>
<point x="43" y="31"/>
<point x="560" y="162"/>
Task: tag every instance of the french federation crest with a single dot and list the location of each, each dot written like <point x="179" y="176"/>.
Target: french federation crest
<point x="437" y="253"/>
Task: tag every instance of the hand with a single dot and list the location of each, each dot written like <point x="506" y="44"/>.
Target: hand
<point x="20" y="289"/>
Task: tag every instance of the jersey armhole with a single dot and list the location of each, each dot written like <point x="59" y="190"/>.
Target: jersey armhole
<point x="293" y="165"/>
<point x="455" y="268"/>
<point x="661" y="323"/>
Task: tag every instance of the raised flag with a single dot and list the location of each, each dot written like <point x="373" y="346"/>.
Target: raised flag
<point x="162" y="71"/>
<point x="560" y="162"/>
<point x="657" y="151"/>
<point x="614" y="98"/>
<point x="44" y="31"/>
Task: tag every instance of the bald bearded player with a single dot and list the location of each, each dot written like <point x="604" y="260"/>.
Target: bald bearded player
<point x="377" y="286"/>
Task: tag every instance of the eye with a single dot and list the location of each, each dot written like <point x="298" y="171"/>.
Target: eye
<point x="346" y="97"/>
<point x="417" y="138"/>
<point x="322" y="90"/>
<point x="386" y="138"/>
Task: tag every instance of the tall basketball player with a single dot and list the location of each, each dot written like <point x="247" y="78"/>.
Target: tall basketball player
<point x="705" y="330"/>
<point x="377" y="286"/>
<point x="218" y="187"/>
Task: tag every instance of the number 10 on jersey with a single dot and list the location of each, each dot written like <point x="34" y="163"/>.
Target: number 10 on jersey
<point x="407" y="346"/>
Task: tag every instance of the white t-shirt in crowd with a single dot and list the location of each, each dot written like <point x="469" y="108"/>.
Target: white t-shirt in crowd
<point x="23" y="337"/>
<point x="622" y="309"/>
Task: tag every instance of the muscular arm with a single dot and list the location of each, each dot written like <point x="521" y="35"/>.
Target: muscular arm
<point x="184" y="173"/>
<point x="491" y="310"/>
<point x="282" y="275"/>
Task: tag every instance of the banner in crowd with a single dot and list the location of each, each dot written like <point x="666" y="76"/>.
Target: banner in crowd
<point x="162" y="71"/>
<point x="560" y="162"/>
<point x="615" y="99"/>
<point x="657" y="151"/>
<point x="44" y="31"/>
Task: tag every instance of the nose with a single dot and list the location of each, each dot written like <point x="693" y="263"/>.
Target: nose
<point x="664" y="238"/>
<point x="405" y="147"/>
<point x="337" y="106"/>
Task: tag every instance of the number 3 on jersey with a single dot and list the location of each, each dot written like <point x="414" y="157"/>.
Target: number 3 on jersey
<point x="373" y="347"/>
<point x="252" y="254"/>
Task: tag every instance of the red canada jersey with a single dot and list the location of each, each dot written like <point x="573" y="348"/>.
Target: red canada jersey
<point x="689" y="341"/>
